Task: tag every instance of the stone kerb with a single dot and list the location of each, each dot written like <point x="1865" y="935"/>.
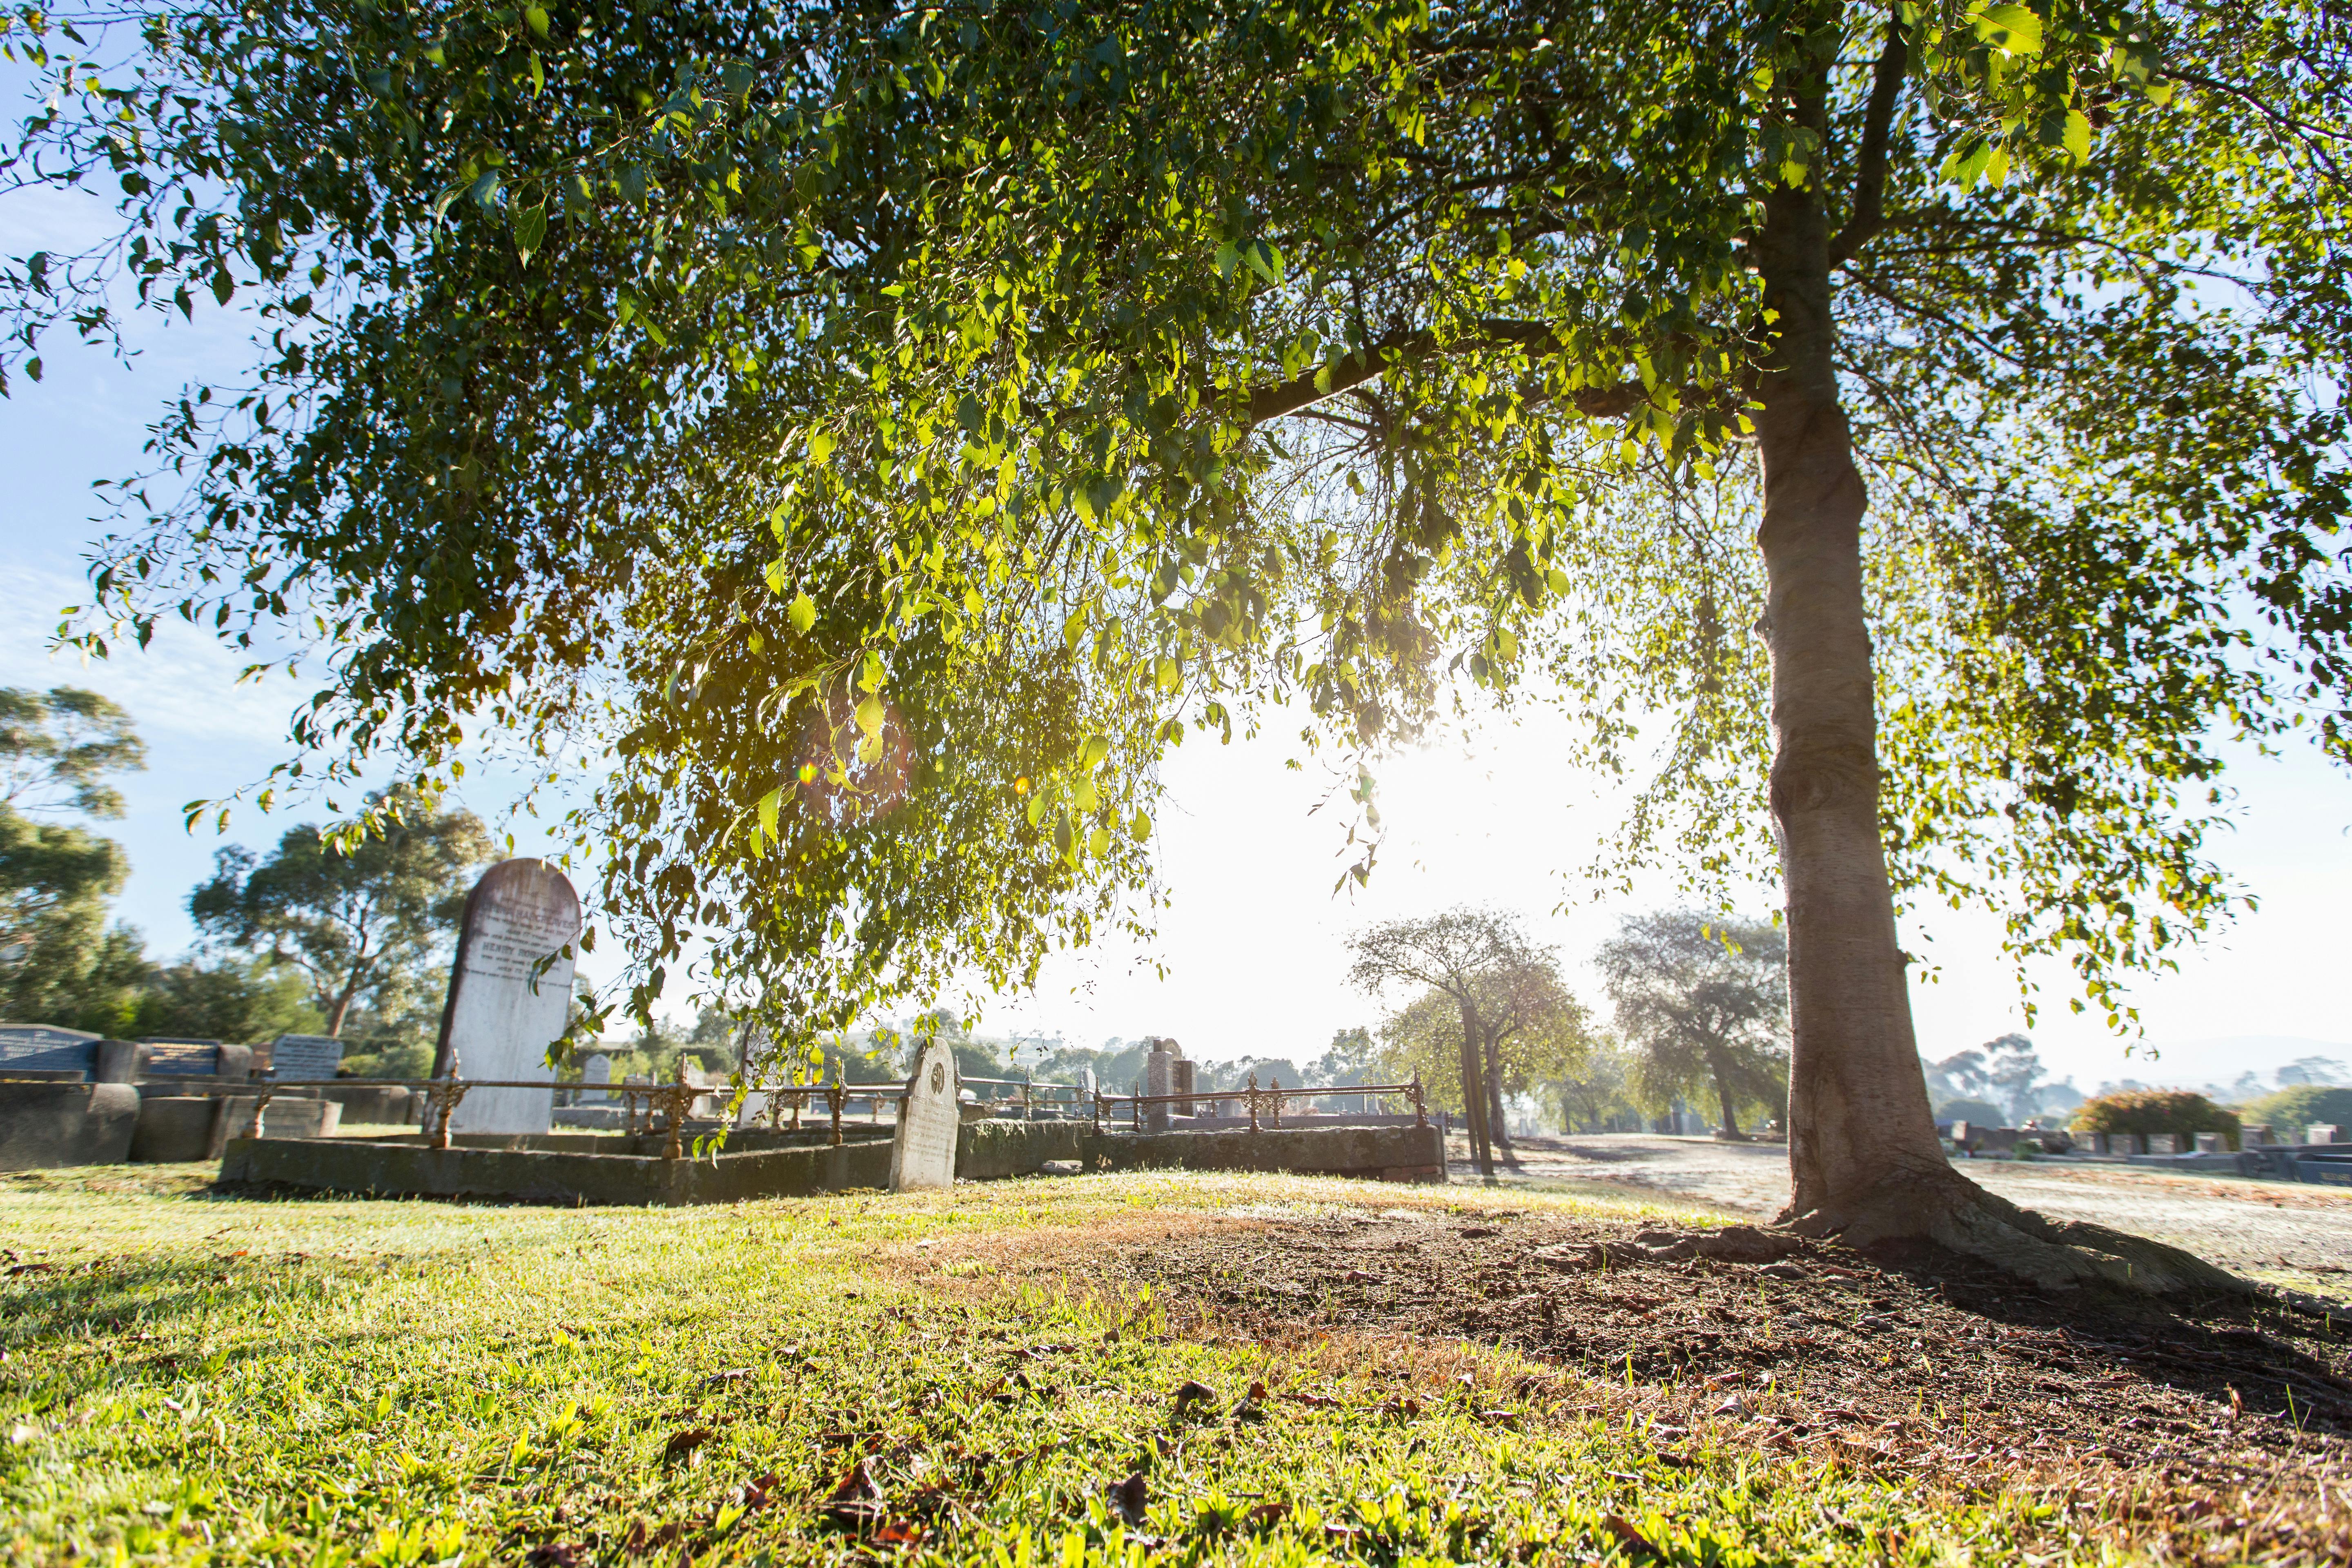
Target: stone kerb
<point x="923" y="1147"/>
<point x="502" y="1010"/>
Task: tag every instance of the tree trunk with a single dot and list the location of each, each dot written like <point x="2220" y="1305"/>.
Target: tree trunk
<point x="1473" y="1097"/>
<point x="342" y="1007"/>
<point x="1723" y="1098"/>
<point x="1863" y="1155"/>
<point x="1499" y="1120"/>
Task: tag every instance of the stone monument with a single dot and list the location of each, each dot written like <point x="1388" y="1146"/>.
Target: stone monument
<point x="1159" y="1077"/>
<point x="597" y="1068"/>
<point x="293" y="1057"/>
<point x="923" y="1150"/>
<point x="502" y="1010"/>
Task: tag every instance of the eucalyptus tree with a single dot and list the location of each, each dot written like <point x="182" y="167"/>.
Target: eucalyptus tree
<point x="890" y="431"/>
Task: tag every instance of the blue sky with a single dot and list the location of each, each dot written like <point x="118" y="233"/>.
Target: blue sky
<point x="1254" y="939"/>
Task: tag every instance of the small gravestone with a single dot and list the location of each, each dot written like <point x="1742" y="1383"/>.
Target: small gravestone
<point x="2164" y="1143"/>
<point x="923" y="1150"/>
<point x="596" y="1069"/>
<point x="1180" y="1076"/>
<point x="2123" y="1144"/>
<point x="2255" y="1134"/>
<point x="39" y="1048"/>
<point x="294" y="1058"/>
<point x="2212" y="1143"/>
<point x="182" y="1058"/>
<point x="2091" y="1143"/>
<point x="503" y="1010"/>
<point x="2320" y="1132"/>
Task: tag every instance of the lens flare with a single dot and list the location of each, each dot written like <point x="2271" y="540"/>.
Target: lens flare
<point x="808" y="773"/>
<point x="1020" y="784"/>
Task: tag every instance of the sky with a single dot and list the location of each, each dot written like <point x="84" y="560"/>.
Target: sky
<point x="1254" y="939"/>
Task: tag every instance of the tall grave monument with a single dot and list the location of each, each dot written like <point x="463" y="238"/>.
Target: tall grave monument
<point x="923" y="1150"/>
<point x="503" y="1011"/>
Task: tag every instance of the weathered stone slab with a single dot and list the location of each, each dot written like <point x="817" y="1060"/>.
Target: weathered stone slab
<point x="503" y="1010"/>
<point x="66" y="1124"/>
<point x="923" y="1149"/>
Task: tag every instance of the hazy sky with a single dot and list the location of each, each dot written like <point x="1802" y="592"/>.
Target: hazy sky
<point x="1254" y="939"/>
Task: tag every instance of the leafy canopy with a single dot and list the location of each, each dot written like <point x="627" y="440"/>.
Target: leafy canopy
<point x="888" y="432"/>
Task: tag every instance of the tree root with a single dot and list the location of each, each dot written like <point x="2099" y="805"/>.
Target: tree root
<point x="1953" y="1212"/>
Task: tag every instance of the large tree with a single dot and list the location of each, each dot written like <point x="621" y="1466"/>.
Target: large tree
<point x="1703" y="1002"/>
<point x="359" y="915"/>
<point x="889" y="430"/>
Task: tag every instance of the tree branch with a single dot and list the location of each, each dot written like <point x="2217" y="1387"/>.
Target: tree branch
<point x="1869" y="167"/>
<point x="1328" y="380"/>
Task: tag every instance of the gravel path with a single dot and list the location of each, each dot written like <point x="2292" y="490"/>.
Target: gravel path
<point x="2275" y="1230"/>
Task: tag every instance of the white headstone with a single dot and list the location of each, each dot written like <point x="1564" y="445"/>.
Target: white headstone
<point x="501" y="1015"/>
<point x="597" y="1068"/>
<point x="297" y="1056"/>
<point x="923" y="1150"/>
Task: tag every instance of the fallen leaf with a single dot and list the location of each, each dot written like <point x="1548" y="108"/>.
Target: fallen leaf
<point x="685" y="1442"/>
<point x="1130" y="1496"/>
<point x="1188" y="1391"/>
<point x="1631" y="1539"/>
<point x="856" y="1501"/>
<point x="1498" y="1417"/>
<point x="732" y="1374"/>
<point x="1267" y="1513"/>
<point x="1319" y="1401"/>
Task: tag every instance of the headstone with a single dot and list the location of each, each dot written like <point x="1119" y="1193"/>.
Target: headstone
<point x="502" y="1012"/>
<point x="38" y="1048"/>
<point x="2212" y="1143"/>
<point x="1960" y="1134"/>
<point x="296" y="1058"/>
<point x="2164" y="1143"/>
<point x="923" y="1150"/>
<point x="2090" y="1142"/>
<point x="597" y="1068"/>
<point x="1183" y="1088"/>
<point x="1159" y="1078"/>
<point x="2320" y="1132"/>
<point x="2123" y="1143"/>
<point x="182" y="1058"/>
<point x="2255" y="1135"/>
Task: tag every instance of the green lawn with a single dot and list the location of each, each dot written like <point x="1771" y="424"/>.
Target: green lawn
<point x="203" y="1379"/>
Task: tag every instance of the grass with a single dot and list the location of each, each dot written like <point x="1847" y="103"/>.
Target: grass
<point x="195" y="1379"/>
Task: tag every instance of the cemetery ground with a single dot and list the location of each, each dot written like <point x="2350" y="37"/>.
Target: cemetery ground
<point x="2284" y="1233"/>
<point x="1141" y="1367"/>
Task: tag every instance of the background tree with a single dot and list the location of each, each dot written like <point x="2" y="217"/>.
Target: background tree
<point x="240" y="1000"/>
<point x="58" y="961"/>
<point x="1596" y="1094"/>
<point x="363" y="920"/>
<point x="1532" y="1030"/>
<point x="1703" y="1003"/>
<point x="893" y="431"/>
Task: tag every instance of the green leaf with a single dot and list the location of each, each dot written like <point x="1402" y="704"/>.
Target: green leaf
<point x="2010" y="27"/>
<point x="869" y="713"/>
<point x="530" y="225"/>
<point x="1265" y="261"/>
<point x="2078" y="135"/>
<point x="1098" y="842"/>
<point x="537" y="17"/>
<point x="770" y="804"/>
<point x="803" y="614"/>
<point x="820" y="445"/>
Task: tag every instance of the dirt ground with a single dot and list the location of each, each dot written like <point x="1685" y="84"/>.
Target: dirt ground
<point x="2280" y="1231"/>
<point x="2230" y="1413"/>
